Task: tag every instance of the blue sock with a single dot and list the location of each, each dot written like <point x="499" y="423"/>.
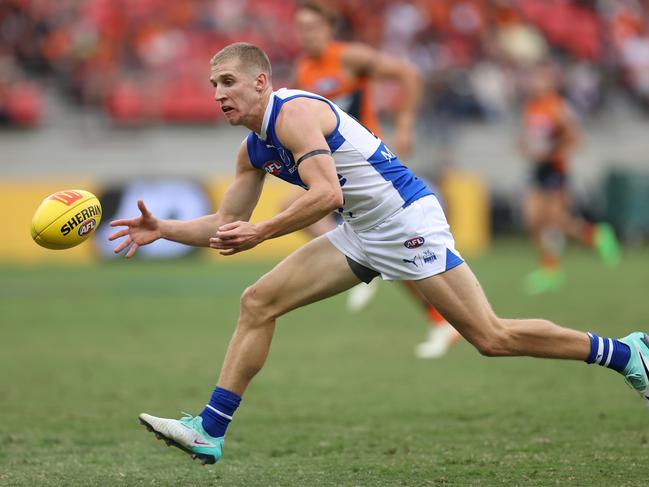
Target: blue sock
<point x="218" y="412"/>
<point x="608" y="352"/>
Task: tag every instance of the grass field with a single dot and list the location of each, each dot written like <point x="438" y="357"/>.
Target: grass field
<point x="342" y="400"/>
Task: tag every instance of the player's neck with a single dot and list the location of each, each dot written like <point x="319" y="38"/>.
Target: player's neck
<point x="257" y="120"/>
<point x="320" y="52"/>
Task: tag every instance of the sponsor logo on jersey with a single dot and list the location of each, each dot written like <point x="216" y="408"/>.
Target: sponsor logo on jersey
<point x="273" y="167"/>
<point x="413" y="261"/>
<point x="80" y="218"/>
<point x="414" y="242"/>
<point x="428" y="257"/>
<point x="66" y="197"/>
<point x="87" y="227"/>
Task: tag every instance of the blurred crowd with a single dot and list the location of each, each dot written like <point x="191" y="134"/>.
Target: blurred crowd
<point x="147" y="60"/>
<point x="476" y="54"/>
<point x="138" y="60"/>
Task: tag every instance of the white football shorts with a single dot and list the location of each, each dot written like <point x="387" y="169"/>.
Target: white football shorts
<point x="412" y="244"/>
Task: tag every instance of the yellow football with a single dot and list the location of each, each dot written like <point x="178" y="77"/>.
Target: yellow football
<point x="65" y="219"/>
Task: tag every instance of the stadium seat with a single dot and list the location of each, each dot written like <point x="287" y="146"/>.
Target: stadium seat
<point x="184" y="100"/>
<point x="124" y="104"/>
<point x="25" y="105"/>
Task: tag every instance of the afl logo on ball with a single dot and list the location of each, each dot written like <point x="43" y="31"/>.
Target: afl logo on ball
<point x="87" y="227"/>
<point x="273" y="167"/>
<point x="414" y="242"/>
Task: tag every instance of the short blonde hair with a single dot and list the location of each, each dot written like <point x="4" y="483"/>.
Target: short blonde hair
<point x="249" y="55"/>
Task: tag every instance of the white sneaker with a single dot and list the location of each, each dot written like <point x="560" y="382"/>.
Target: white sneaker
<point x="440" y="339"/>
<point x="360" y="295"/>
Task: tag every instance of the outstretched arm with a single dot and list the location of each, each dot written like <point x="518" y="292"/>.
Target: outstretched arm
<point x="362" y="59"/>
<point x="300" y="127"/>
<point x="238" y="203"/>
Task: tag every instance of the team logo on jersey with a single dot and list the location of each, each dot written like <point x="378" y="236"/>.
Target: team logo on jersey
<point x="273" y="167"/>
<point x="414" y="242"/>
<point x="287" y="159"/>
<point x="386" y="153"/>
<point x="428" y="257"/>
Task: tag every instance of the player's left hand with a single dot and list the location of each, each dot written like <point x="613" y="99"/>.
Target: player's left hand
<point x="236" y="237"/>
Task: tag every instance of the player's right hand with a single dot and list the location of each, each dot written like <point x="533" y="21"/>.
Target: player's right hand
<point x="141" y="230"/>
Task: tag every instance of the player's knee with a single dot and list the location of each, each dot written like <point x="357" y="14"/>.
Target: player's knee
<point x="254" y="303"/>
<point x="496" y="342"/>
<point x="258" y="304"/>
<point x="488" y="348"/>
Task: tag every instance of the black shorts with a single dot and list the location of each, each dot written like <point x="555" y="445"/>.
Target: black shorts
<point x="547" y="177"/>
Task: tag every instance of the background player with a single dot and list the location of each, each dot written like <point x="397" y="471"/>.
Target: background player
<point x="343" y="72"/>
<point x="551" y="133"/>
<point x="341" y="164"/>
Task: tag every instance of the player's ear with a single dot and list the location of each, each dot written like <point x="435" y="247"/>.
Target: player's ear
<point x="261" y="82"/>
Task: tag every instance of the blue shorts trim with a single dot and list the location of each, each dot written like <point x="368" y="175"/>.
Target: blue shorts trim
<point x="452" y="260"/>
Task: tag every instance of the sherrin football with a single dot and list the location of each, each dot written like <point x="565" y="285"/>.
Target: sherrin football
<point x="65" y="219"/>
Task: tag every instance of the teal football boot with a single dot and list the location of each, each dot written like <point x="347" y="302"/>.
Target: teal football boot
<point x="636" y="372"/>
<point x="186" y="434"/>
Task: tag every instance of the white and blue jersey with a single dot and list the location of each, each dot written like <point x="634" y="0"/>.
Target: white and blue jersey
<point x="374" y="183"/>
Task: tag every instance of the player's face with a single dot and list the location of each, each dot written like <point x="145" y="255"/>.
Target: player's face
<point x="313" y="31"/>
<point x="235" y="90"/>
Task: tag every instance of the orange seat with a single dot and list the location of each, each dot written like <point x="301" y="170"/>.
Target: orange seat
<point x="25" y="105"/>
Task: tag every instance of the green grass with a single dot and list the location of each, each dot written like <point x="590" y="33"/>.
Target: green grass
<point x="341" y="401"/>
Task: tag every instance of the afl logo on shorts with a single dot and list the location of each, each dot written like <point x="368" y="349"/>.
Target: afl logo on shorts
<point x="273" y="167"/>
<point x="414" y="242"/>
<point x="86" y="227"/>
